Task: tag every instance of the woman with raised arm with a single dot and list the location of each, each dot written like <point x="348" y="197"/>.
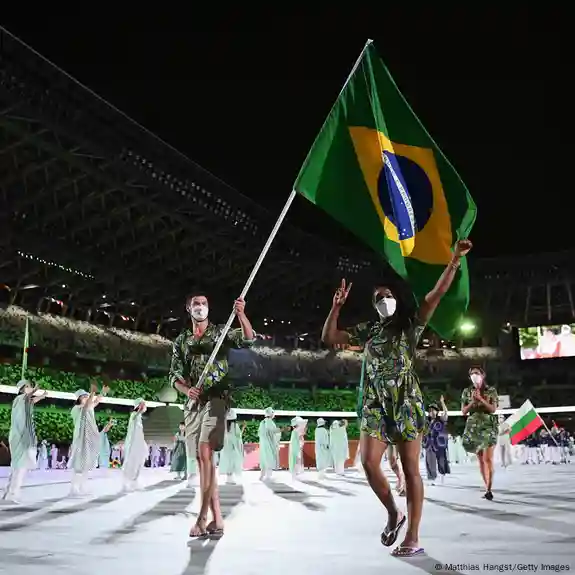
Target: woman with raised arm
<point x="479" y="401"/>
<point x="393" y="410"/>
<point x="135" y="448"/>
<point x="22" y="438"/>
<point x="85" y="448"/>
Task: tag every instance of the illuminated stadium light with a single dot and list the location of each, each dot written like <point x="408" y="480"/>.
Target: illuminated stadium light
<point x="467" y="327"/>
<point x="55" y="265"/>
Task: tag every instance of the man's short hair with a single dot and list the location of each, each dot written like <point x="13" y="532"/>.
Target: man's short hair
<point x="194" y="295"/>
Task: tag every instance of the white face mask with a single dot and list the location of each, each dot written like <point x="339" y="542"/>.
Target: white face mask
<point x="386" y="307"/>
<point x="476" y="379"/>
<point x="200" y="312"/>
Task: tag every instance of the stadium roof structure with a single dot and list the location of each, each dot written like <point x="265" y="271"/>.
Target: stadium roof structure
<point x="98" y="212"/>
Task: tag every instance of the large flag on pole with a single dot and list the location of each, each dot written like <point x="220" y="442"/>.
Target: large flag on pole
<point x="25" y="350"/>
<point x="523" y="423"/>
<point x="375" y="168"/>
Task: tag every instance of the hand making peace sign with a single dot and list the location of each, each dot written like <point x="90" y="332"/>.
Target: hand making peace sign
<point x="341" y="294"/>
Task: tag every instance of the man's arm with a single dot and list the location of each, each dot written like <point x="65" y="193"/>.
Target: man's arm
<point x="177" y="379"/>
<point x="247" y="329"/>
<point x="248" y="336"/>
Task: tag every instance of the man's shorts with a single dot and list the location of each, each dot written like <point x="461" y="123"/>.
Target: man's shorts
<point x="206" y="423"/>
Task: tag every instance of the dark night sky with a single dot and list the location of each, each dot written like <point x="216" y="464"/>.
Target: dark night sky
<point x="244" y="92"/>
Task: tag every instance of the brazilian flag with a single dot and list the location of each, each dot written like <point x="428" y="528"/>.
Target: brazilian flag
<point x="375" y="169"/>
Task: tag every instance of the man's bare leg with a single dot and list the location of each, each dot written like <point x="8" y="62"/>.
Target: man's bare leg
<point x="217" y="523"/>
<point x="207" y="483"/>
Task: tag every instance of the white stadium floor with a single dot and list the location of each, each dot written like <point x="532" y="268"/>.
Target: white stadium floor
<point x="289" y="528"/>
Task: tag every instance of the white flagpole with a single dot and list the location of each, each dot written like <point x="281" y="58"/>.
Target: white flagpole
<point x="262" y="256"/>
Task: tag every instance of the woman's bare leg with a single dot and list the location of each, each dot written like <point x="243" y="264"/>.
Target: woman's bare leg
<point x="482" y="466"/>
<point x="396" y="468"/>
<point x="372" y="451"/>
<point x="409" y="452"/>
<point x="488" y="465"/>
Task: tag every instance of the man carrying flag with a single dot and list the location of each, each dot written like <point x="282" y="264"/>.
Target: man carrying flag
<point x="374" y="168"/>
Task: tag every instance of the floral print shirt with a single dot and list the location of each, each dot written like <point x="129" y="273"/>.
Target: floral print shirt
<point x="388" y="353"/>
<point x="190" y="355"/>
<point x="488" y="392"/>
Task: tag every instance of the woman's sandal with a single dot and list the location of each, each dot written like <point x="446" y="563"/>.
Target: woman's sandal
<point x="407" y="552"/>
<point x="388" y="538"/>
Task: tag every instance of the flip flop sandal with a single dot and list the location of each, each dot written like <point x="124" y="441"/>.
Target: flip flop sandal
<point x="407" y="552"/>
<point x="202" y="533"/>
<point x="215" y="533"/>
<point x="401" y="492"/>
<point x="388" y="538"/>
<point x="488" y="495"/>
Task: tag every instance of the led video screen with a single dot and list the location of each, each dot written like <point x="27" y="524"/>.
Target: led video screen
<point x="548" y="341"/>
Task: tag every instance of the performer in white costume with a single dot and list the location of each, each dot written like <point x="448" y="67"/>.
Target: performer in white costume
<point x="85" y="448"/>
<point x="339" y="445"/>
<point x="22" y="438"/>
<point x="269" y="442"/>
<point x="357" y="459"/>
<point x="43" y="455"/>
<point x="53" y="457"/>
<point x="395" y="464"/>
<point x="297" y="439"/>
<point x="154" y="455"/>
<point x="460" y="453"/>
<point x="504" y="443"/>
<point x="105" y="448"/>
<point x="231" y="462"/>
<point x="322" y="452"/>
<point x="135" y="448"/>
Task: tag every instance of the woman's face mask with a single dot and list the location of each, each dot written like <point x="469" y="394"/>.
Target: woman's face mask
<point x="477" y="379"/>
<point x="200" y="312"/>
<point x="386" y="306"/>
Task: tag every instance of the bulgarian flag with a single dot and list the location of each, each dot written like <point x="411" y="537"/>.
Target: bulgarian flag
<point x="523" y="423"/>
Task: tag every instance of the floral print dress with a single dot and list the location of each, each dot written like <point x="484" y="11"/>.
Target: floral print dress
<point x="481" y="427"/>
<point x="392" y="403"/>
